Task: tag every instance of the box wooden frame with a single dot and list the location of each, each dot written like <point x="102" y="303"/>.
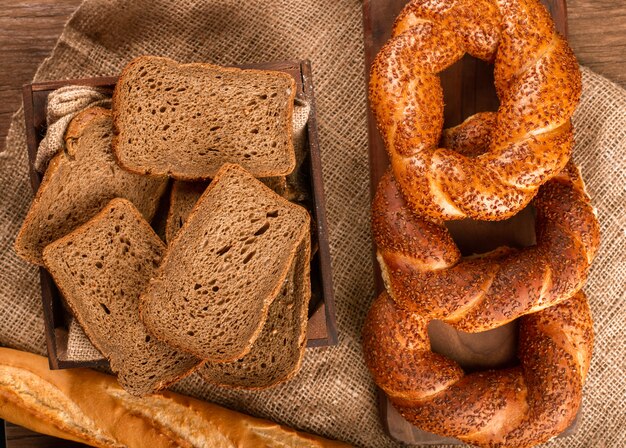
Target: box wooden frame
<point x="322" y="327"/>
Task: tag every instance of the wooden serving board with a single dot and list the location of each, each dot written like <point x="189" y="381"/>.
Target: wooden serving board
<point x="468" y="89"/>
<point x="322" y="327"/>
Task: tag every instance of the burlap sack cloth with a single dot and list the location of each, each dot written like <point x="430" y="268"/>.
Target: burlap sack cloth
<point x="333" y="395"/>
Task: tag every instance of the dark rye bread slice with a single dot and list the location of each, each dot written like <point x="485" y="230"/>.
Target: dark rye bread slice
<point x="184" y="196"/>
<point x="79" y="182"/>
<point x="225" y="267"/>
<point x="277" y="354"/>
<point x="101" y="268"/>
<point x="186" y="120"/>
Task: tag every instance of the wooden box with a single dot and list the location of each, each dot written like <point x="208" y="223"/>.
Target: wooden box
<point x="322" y="330"/>
<point x="468" y="89"/>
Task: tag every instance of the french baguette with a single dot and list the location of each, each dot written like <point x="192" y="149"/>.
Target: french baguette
<point x="91" y="407"/>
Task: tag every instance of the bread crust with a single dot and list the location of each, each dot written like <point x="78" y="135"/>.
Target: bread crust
<point x="537" y="80"/>
<point x="163" y="420"/>
<point x="75" y="130"/>
<point x="515" y="407"/>
<point x="426" y="278"/>
<point x="302" y="288"/>
<point x="424" y="272"/>
<point x="181" y="175"/>
<point x="180" y="193"/>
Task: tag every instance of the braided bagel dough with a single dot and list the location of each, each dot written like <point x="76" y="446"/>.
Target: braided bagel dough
<point x="538" y="83"/>
<point x="424" y="272"/>
<point x="516" y="407"/>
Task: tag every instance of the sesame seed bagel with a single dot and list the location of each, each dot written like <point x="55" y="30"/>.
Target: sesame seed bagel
<point x="515" y="407"/>
<point x="537" y="80"/>
<point x="424" y="272"/>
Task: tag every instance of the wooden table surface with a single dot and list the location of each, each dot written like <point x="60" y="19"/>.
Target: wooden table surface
<point x="29" y="29"/>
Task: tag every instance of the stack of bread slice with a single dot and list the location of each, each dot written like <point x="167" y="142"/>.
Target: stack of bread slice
<point x="215" y="293"/>
<point x="228" y="294"/>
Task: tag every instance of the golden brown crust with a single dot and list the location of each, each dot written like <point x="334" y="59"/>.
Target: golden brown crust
<point x="160" y="420"/>
<point x="516" y="407"/>
<point x="472" y="137"/>
<point x="397" y="351"/>
<point x="34" y="420"/>
<point x="424" y="272"/>
<point x="538" y="82"/>
<point x="426" y="278"/>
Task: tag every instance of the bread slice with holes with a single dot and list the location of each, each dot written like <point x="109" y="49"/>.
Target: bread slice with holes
<point x="79" y="182"/>
<point x="225" y="267"/>
<point x="101" y="269"/>
<point x="277" y="354"/>
<point x="186" y="120"/>
<point x="184" y="196"/>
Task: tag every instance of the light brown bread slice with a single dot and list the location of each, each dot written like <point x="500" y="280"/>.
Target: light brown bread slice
<point x="184" y="196"/>
<point x="101" y="268"/>
<point x="79" y="182"/>
<point x="277" y="354"/>
<point x="159" y="220"/>
<point x="186" y="120"/>
<point x="224" y="268"/>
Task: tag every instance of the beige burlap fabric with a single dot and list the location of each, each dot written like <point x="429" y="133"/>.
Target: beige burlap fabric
<point x="79" y="347"/>
<point x="63" y="105"/>
<point x="333" y="395"/>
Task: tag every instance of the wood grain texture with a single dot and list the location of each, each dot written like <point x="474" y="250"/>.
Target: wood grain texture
<point x="29" y="29"/>
<point x="28" y="32"/>
<point x="19" y="437"/>
<point x="597" y="33"/>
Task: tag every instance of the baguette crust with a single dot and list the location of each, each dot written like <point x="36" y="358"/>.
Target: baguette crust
<point x="104" y="415"/>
